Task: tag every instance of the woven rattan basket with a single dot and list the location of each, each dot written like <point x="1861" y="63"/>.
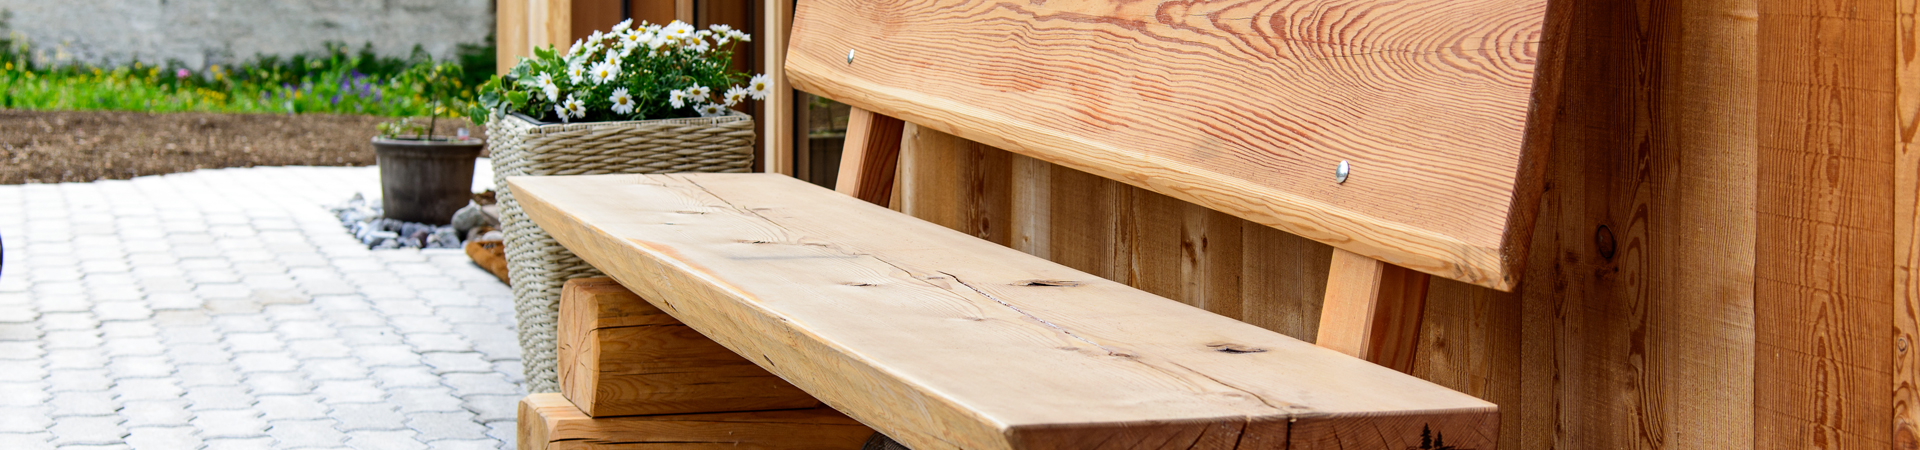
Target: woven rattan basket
<point x="537" y="265"/>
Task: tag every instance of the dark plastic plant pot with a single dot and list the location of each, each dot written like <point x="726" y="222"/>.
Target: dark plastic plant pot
<point x="425" y="181"/>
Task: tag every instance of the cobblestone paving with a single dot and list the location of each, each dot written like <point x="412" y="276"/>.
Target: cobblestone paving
<point x="226" y="309"/>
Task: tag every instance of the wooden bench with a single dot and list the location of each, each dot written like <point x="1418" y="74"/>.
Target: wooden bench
<point x="943" y="340"/>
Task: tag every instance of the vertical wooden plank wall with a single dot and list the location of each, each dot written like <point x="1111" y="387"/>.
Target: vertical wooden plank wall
<point x="1732" y="199"/>
<point x="1906" y="236"/>
<point x="1637" y="314"/>
<point x="1824" y="372"/>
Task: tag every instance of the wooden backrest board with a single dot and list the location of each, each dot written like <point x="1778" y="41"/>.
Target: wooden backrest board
<point x="1245" y="107"/>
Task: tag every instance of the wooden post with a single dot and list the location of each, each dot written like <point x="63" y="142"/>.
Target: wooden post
<point x="1372" y="310"/>
<point x="776" y="154"/>
<point x="510" y="35"/>
<point x="871" y="157"/>
<point x="549" y="22"/>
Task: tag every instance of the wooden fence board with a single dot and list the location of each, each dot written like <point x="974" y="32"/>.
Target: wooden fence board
<point x="1906" y="236"/>
<point x="1826" y="244"/>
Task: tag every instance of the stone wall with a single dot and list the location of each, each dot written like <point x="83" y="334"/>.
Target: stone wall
<point x="202" y="32"/>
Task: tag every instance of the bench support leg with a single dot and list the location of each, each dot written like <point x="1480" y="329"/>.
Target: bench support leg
<point x="549" y="422"/>
<point x="1373" y="310"/>
<point x="620" y="356"/>
<point x="871" y="157"/>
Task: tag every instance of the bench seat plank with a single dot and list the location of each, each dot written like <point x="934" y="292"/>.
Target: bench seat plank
<point x="942" y="340"/>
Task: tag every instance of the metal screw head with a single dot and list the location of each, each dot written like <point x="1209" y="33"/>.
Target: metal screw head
<point x="1340" y="173"/>
<point x="849" y="56"/>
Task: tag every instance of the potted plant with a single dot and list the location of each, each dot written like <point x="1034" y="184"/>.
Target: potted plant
<point x="633" y="99"/>
<point x="424" y="176"/>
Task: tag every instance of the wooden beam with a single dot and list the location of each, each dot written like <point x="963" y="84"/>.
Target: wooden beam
<point x="549" y="23"/>
<point x="871" y="157"/>
<point x="776" y="154"/>
<point x="510" y="35"/>
<point x="548" y="422"/>
<point x="943" y="340"/>
<point x="1372" y="310"/>
<point x="620" y="356"/>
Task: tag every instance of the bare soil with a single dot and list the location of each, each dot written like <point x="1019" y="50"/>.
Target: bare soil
<point x="68" y="146"/>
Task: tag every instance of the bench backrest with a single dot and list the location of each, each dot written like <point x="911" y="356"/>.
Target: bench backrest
<point x="1247" y="108"/>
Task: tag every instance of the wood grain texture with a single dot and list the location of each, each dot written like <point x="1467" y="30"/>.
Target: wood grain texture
<point x="1906" y="232"/>
<point x="1240" y="107"/>
<point x="510" y="34"/>
<point x="621" y="356"/>
<point x="957" y="184"/>
<point x="1179" y="250"/>
<point x="549" y="23"/>
<point x="1372" y="310"/>
<point x="1471" y="342"/>
<point x="1826" y="231"/>
<point x="548" y="422"/>
<point x="777" y="110"/>
<point x="891" y="322"/>
<point x="1638" y="331"/>
<point x="870" y="158"/>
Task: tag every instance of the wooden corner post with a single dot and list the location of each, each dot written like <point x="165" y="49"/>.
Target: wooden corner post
<point x="1372" y="310"/>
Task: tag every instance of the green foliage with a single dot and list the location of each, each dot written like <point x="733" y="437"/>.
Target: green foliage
<point x="336" y="80"/>
<point x="669" y="71"/>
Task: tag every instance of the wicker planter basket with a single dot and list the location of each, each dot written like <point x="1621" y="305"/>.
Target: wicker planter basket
<point x="537" y="265"/>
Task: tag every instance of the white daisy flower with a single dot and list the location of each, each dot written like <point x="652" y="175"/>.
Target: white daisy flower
<point x="760" y="86"/>
<point x="659" y="41"/>
<point x="720" y="28"/>
<point x="635" y="39"/>
<point x="678" y="30"/>
<point x="603" y="72"/>
<point x="577" y="73"/>
<point x="545" y="82"/>
<point x="698" y="93"/>
<point x="623" y="25"/>
<point x="575" y="107"/>
<point x="677" y="98"/>
<point x="741" y="36"/>
<point x="577" y="48"/>
<point x="736" y="94"/>
<point x="711" y="110"/>
<point x="622" y="103"/>
<point x="698" y="46"/>
<point x="560" y="110"/>
<point x="596" y="37"/>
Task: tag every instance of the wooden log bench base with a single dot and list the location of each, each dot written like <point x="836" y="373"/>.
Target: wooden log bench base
<point x="549" y="422"/>
<point x="945" y="341"/>
<point x="621" y="356"/>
